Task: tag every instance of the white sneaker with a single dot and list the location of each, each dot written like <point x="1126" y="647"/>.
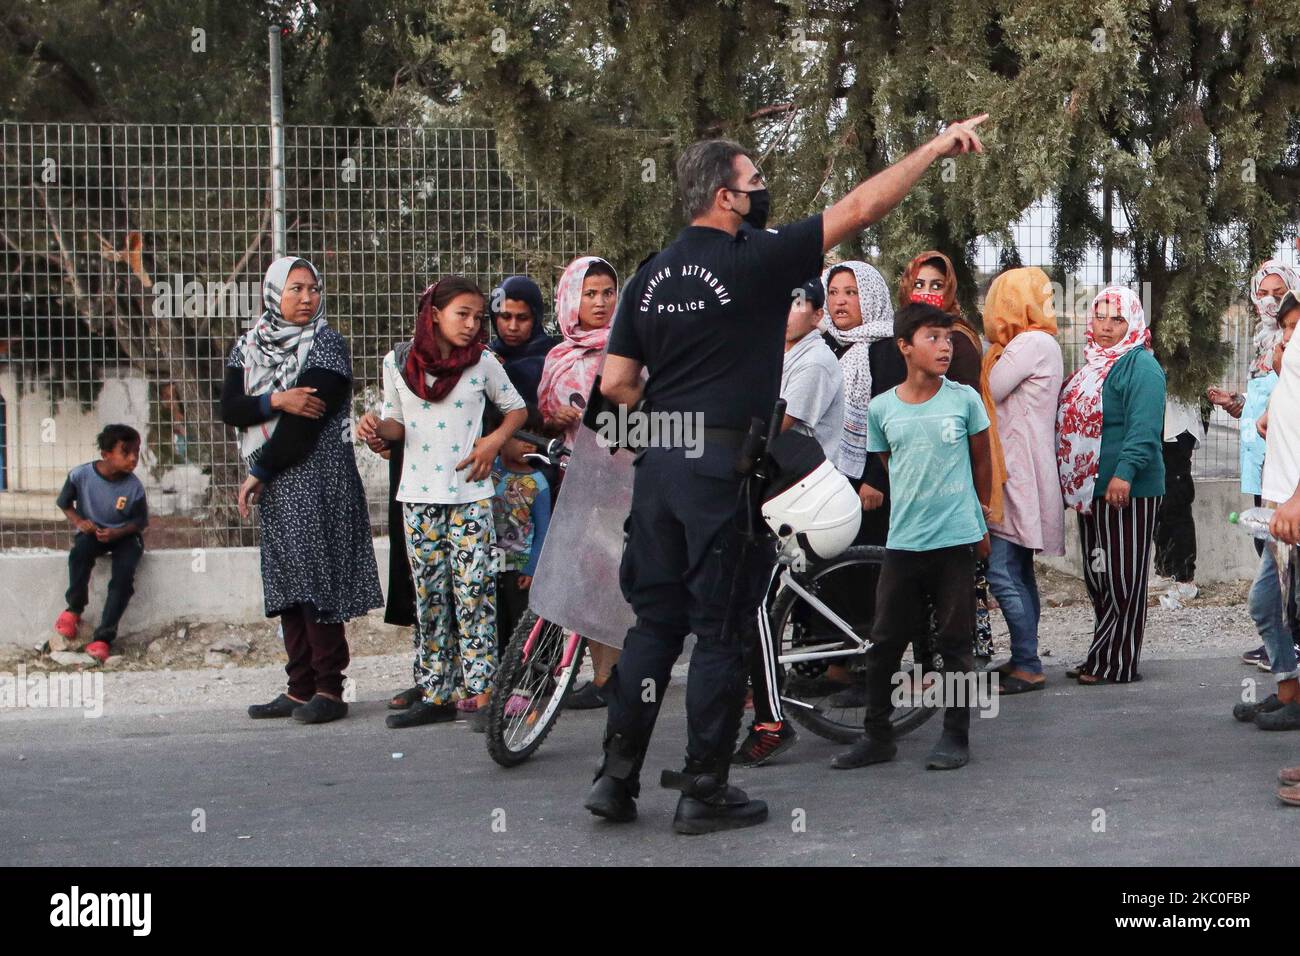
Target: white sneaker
<point x="1169" y="601"/>
<point x="1187" y="590"/>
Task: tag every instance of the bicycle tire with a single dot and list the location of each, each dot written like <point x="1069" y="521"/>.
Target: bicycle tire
<point x="504" y="743"/>
<point x="904" y="719"/>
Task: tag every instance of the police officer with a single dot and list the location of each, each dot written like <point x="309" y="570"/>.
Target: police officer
<point x="706" y="318"/>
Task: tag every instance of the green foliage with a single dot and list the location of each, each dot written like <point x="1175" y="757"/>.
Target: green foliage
<point x="1187" y="111"/>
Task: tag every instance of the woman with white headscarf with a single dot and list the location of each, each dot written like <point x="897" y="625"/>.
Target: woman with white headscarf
<point x="288" y="390"/>
<point x="858" y="314"/>
<point x="1108" y="434"/>
<point x="1268" y="285"/>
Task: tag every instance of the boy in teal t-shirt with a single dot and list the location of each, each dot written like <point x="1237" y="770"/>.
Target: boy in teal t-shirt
<point x="932" y="435"/>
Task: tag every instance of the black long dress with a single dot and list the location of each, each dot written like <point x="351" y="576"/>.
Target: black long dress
<point x="400" y="609"/>
<point x="316" y="545"/>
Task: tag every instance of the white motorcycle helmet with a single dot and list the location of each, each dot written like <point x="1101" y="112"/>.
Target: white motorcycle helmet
<point x="811" y="506"/>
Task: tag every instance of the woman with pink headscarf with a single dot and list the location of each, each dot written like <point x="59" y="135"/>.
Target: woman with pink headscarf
<point x="584" y="308"/>
<point x="585" y="299"/>
<point x="1109" y="428"/>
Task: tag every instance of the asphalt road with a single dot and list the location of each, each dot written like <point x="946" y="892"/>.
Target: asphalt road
<point x="1179" y="782"/>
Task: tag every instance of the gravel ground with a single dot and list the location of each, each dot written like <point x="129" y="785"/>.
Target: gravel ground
<point x="220" y="666"/>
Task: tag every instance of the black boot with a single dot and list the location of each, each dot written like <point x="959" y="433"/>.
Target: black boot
<point x="709" y="804"/>
<point x="618" y="781"/>
<point x="953" y="749"/>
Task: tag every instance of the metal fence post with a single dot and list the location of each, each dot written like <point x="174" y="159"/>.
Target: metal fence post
<point x="278" y="241"/>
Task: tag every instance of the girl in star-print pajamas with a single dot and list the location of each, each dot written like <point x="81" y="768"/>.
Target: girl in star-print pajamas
<point x="435" y="389"/>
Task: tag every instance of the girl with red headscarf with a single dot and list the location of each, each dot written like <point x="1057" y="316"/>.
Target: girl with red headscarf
<point x="435" y="389"/>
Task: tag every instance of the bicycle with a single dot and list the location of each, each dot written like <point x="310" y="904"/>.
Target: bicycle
<point x="538" y="666"/>
<point x="809" y="635"/>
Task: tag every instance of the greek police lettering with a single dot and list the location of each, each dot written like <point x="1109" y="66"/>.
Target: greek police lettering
<point x="696" y="272"/>
<point x="103" y="909"/>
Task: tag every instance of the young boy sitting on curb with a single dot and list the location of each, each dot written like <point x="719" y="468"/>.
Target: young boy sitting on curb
<point x="932" y="435"/>
<point x="105" y="503"/>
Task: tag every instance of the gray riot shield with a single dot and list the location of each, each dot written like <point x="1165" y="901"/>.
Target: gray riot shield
<point x="576" y="584"/>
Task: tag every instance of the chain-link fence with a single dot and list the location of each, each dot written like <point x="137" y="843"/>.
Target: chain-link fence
<point x="133" y="257"/>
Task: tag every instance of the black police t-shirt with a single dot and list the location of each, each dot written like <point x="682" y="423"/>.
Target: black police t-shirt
<point x="707" y="316"/>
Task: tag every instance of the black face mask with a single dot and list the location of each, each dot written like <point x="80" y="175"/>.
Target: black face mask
<point x="760" y="204"/>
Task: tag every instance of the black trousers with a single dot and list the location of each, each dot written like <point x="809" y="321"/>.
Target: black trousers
<point x="126" y="554"/>
<point x="910" y="583"/>
<point x="1175" y="537"/>
<point x="683" y="553"/>
<point x="512" y="603"/>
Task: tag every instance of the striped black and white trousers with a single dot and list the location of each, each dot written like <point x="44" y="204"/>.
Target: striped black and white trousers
<point x="1116" y="546"/>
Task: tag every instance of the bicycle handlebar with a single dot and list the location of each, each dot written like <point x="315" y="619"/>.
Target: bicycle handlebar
<point x="552" y="448"/>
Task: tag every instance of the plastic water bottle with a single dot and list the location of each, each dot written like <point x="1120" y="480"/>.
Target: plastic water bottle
<point x="1254" y="521"/>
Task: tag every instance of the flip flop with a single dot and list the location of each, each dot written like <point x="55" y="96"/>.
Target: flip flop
<point x="1018" y="685"/>
<point x="404" y="699"/>
<point x="1105" y="680"/>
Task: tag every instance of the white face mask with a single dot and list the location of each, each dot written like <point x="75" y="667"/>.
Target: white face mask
<point x="1267" y="305"/>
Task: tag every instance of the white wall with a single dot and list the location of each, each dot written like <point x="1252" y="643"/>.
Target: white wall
<point x="204" y="585"/>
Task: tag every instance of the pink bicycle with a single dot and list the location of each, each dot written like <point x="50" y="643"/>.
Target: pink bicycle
<point x="537" y="669"/>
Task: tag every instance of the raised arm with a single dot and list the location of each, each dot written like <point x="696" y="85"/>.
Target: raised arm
<point x="872" y="199"/>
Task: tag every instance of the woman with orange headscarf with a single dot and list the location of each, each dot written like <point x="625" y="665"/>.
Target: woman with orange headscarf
<point x="1022" y="373"/>
<point x="931" y="278"/>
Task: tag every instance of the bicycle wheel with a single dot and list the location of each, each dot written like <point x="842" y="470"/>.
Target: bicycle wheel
<point x="537" y="672"/>
<point x="808" y="696"/>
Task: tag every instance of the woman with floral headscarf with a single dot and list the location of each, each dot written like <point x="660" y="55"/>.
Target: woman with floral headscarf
<point x="585" y="299"/>
<point x="584" y="308"/>
<point x="1108" y="433"/>
<point x="288" y="390"/>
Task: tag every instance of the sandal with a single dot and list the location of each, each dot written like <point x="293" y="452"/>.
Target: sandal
<point x="404" y="699"/>
<point x="1073" y="672"/>
<point x="1092" y="680"/>
<point x="1018" y="685"/>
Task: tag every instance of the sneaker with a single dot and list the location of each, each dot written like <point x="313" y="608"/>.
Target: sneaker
<point x="99" y="650"/>
<point x="586" y="697"/>
<point x="1246" y="712"/>
<point x="1187" y="590"/>
<point x="763" y="744"/>
<point x="1256" y="656"/>
<point x="66" y="624"/>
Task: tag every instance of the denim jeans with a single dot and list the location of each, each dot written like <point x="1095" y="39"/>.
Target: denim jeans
<point x="1267" y="609"/>
<point x="1011" y="579"/>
